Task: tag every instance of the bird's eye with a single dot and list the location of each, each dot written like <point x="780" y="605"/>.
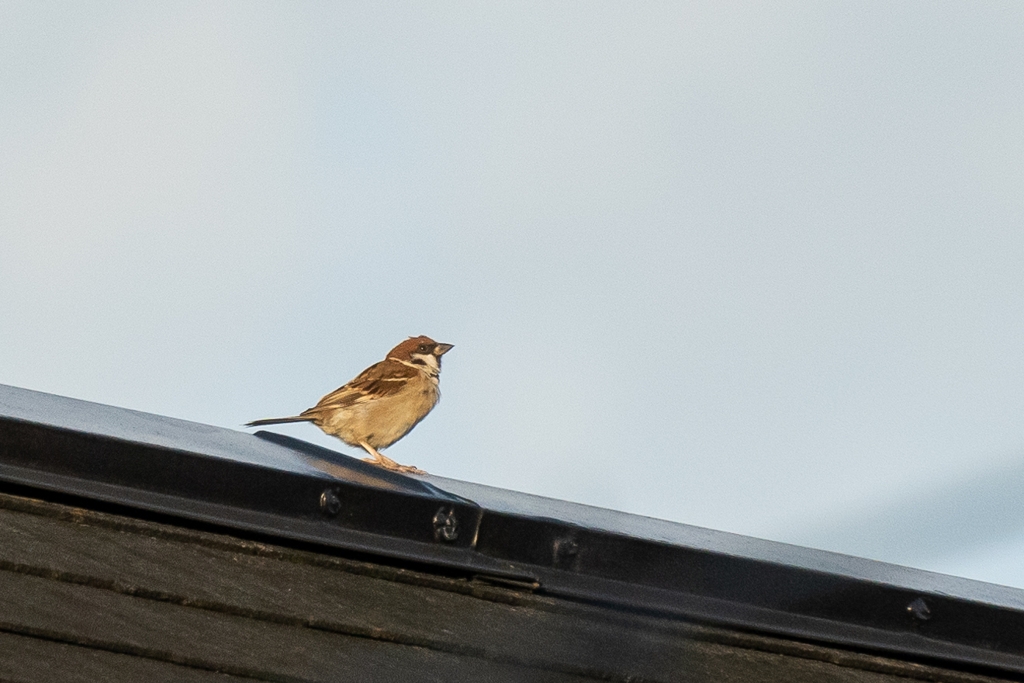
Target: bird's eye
<point x="424" y="348"/>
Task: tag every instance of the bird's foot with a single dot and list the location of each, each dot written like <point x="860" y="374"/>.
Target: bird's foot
<point x="389" y="464"/>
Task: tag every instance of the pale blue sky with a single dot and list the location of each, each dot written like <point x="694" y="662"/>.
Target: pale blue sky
<point x="753" y="267"/>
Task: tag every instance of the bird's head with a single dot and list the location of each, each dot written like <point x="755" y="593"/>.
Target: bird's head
<point x="421" y="351"/>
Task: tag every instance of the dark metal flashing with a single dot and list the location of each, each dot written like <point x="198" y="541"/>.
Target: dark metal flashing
<point x="290" y="490"/>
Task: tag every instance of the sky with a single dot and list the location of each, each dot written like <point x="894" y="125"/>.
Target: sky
<point x="754" y="267"/>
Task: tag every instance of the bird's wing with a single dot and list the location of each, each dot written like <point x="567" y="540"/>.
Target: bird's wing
<point x="385" y="378"/>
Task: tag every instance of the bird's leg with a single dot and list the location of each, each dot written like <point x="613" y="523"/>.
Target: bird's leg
<point x="386" y="462"/>
<point x="378" y="457"/>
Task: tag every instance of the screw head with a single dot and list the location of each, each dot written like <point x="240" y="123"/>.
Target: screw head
<point x="565" y="551"/>
<point x="446" y="525"/>
<point x="919" y="610"/>
<point x="330" y="502"/>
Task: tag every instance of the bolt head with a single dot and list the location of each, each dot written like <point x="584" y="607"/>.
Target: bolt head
<point x="330" y="502"/>
<point x="446" y="525"/>
<point x="919" y="610"/>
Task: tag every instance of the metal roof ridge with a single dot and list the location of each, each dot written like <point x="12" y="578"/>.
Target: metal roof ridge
<point x="291" y="490"/>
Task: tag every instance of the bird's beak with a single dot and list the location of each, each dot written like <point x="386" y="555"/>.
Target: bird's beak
<point x="442" y="349"/>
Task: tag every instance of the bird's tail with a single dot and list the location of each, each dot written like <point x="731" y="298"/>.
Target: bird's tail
<point x="277" y="421"/>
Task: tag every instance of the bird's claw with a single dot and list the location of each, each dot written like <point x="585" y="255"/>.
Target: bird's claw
<point x="393" y="466"/>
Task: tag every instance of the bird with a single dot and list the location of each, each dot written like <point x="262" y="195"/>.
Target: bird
<point x="383" y="403"/>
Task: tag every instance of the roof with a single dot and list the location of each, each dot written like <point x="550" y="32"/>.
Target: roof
<point x="137" y="544"/>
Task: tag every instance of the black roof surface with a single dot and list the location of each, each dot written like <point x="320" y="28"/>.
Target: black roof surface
<point x="287" y="491"/>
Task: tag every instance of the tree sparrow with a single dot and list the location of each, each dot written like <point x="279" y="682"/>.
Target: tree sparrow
<point x="383" y="403"/>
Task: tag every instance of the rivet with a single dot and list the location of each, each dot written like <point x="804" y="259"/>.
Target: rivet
<point x="330" y="502"/>
<point x="919" y="610"/>
<point x="446" y="525"/>
<point x="565" y="551"/>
